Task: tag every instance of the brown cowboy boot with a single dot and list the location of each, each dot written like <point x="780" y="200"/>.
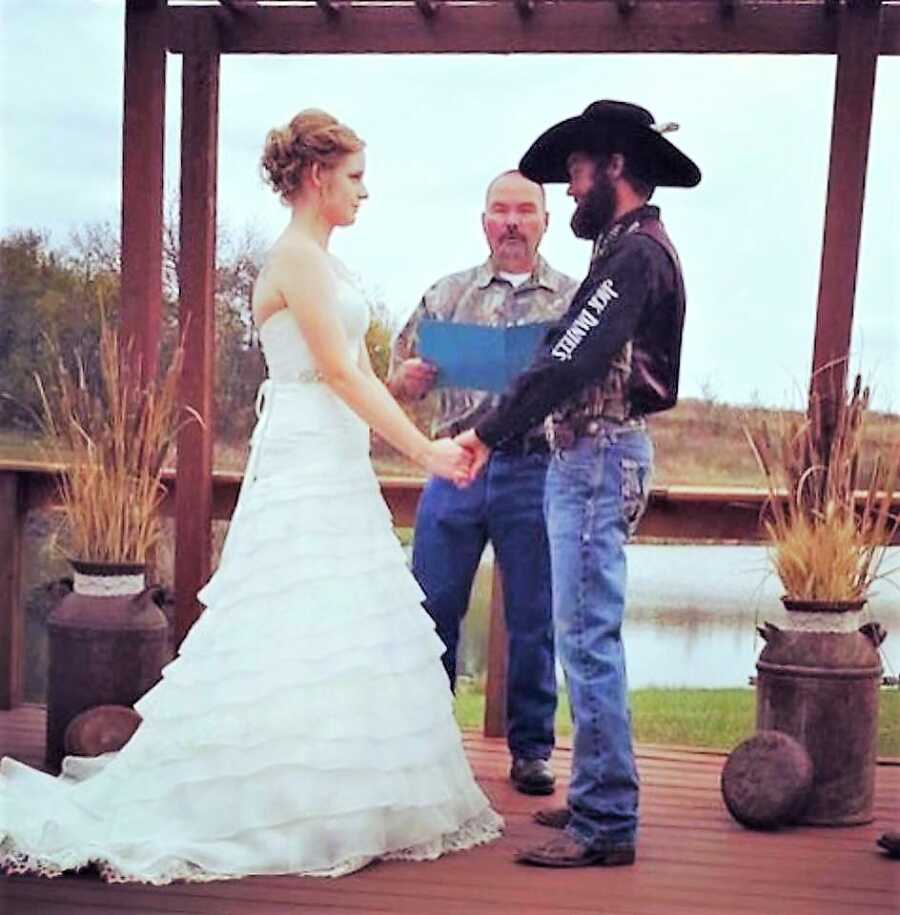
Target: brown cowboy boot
<point x="553" y="817"/>
<point x="564" y="851"/>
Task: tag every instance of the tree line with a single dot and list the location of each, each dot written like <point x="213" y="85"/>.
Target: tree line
<point x="54" y="296"/>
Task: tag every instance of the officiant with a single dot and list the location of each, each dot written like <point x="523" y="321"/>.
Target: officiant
<point x="514" y="286"/>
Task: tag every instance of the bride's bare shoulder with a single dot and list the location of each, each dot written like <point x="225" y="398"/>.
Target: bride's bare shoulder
<point x="292" y="253"/>
<point x="291" y="260"/>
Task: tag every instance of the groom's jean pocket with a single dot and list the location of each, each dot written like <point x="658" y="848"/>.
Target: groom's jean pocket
<point x="614" y="469"/>
<point x="635" y="491"/>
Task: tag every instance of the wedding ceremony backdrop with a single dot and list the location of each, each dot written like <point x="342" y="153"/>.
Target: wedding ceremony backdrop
<point x="855" y="33"/>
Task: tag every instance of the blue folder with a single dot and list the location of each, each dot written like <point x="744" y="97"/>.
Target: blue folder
<point x="478" y="357"/>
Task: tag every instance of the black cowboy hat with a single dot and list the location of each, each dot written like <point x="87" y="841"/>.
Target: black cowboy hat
<point x="608" y="126"/>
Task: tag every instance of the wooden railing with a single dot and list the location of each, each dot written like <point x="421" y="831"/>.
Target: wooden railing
<point x="675" y="513"/>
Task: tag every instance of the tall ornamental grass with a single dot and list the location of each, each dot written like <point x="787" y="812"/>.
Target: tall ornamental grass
<point x="110" y="432"/>
<point x="828" y="514"/>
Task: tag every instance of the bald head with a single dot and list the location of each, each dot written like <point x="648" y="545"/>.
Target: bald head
<point x="516" y="180"/>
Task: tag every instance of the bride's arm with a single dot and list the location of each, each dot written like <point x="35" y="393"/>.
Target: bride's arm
<point x="365" y="363"/>
<point x="308" y="287"/>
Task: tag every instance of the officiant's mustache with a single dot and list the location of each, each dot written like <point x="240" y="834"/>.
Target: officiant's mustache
<point x="512" y="235"/>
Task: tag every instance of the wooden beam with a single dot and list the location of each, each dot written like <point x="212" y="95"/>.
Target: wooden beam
<point x="525" y="8"/>
<point x="685" y="514"/>
<point x="854" y="91"/>
<point x="578" y="26"/>
<point x="12" y="622"/>
<point x="194" y="492"/>
<point x="143" y="126"/>
<point x="329" y="7"/>
<point x="428" y="8"/>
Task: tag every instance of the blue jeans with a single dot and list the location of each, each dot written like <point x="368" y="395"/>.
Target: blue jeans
<point x="504" y="505"/>
<point x="596" y="493"/>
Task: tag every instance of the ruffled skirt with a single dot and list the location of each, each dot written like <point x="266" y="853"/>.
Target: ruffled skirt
<point x="306" y="726"/>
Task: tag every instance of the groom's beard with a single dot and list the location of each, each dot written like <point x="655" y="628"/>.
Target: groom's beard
<point x="595" y="210"/>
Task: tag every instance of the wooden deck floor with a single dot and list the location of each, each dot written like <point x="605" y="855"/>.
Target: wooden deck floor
<point x="693" y="860"/>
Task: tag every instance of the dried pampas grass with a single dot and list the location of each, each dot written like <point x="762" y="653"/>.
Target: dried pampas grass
<point x="829" y="529"/>
<point x="110" y="439"/>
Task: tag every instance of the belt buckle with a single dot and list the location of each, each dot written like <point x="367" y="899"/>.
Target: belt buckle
<point x="561" y="436"/>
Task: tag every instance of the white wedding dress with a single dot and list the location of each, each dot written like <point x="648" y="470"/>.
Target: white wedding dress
<point x="306" y="726"/>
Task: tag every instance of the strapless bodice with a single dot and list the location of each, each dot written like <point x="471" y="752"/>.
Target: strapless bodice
<point x="288" y="357"/>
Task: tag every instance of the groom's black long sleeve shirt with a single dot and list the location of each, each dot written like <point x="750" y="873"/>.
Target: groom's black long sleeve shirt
<point x="631" y="303"/>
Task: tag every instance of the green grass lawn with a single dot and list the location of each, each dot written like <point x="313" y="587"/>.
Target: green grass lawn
<point x="714" y="718"/>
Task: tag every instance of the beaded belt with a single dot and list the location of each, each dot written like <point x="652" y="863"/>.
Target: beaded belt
<point x="563" y="433"/>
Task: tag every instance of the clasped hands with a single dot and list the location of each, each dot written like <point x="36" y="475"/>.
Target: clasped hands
<point x="475" y="455"/>
<point x="459" y="459"/>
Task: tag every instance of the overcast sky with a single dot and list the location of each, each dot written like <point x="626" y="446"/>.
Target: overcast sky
<point x="438" y="128"/>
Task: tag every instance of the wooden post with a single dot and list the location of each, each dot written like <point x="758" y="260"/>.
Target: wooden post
<point x="495" y="688"/>
<point x="143" y="127"/>
<point x="858" y="43"/>
<point x="193" y="488"/>
<point x="11" y="617"/>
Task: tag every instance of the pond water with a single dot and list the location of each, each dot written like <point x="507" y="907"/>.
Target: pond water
<point x="693" y="611"/>
<point x="691" y="618"/>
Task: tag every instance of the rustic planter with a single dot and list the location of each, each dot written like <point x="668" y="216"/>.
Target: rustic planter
<point x="107" y="646"/>
<point x="818" y="681"/>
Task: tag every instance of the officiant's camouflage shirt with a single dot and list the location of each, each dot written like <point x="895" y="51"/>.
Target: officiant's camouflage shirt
<point x="481" y="296"/>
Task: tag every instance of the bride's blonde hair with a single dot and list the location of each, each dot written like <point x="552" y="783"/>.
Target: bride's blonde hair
<point x="311" y="136"/>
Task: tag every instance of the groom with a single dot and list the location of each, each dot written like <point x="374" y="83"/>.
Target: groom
<point x="613" y="359"/>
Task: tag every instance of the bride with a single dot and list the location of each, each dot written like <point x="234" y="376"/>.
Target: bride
<point x="306" y="726"/>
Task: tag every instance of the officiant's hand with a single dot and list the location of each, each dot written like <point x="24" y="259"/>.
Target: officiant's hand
<point x="412" y="379"/>
<point x="445" y="458"/>
<point x="478" y="450"/>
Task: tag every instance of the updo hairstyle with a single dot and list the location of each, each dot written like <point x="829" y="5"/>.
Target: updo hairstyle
<point x="312" y="136"/>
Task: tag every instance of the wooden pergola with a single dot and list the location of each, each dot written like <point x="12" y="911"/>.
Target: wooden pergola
<point x="855" y="31"/>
